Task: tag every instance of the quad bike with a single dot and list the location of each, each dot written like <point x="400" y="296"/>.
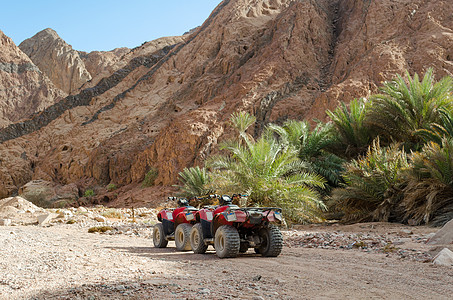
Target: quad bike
<point x="232" y="230"/>
<point x="175" y="225"/>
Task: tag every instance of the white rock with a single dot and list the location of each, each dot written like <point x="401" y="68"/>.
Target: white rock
<point x="66" y="214"/>
<point x="444" y="236"/>
<point x="444" y="258"/>
<point x="45" y="219"/>
<point x="5" y="222"/>
<point x="82" y="209"/>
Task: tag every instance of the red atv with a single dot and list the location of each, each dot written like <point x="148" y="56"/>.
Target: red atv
<point x="232" y="230"/>
<point x="180" y="218"/>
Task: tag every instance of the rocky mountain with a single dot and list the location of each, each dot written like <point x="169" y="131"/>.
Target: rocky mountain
<point x="24" y="90"/>
<point x="55" y="58"/>
<point x="167" y="108"/>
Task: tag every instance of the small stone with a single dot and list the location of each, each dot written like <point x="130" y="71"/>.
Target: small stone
<point x="204" y="291"/>
<point x="258" y="298"/>
<point x="256" y="278"/>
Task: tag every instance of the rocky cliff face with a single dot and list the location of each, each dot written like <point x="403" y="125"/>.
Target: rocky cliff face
<point x="167" y="108"/>
<point x="24" y="90"/>
<point x="55" y="58"/>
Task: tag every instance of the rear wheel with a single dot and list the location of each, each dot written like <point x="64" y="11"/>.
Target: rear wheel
<point x="227" y="241"/>
<point x="182" y="237"/>
<point x="159" y="239"/>
<point x="271" y="241"/>
<point x="197" y="239"/>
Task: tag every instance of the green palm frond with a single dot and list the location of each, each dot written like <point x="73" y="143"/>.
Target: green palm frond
<point x="372" y="187"/>
<point x="409" y="106"/>
<point x="195" y="181"/>
<point x="271" y="174"/>
<point x="353" y="135"/>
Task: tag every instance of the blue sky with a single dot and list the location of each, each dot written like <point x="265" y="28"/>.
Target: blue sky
<point x="103" y="24"/>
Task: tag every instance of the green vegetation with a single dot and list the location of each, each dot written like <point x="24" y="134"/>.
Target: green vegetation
<point x="270" y="172"/>
<point x="111" y="187"/>
<point x="407" y="106"/>
<point x="388" y="158"/>
<point x="89" y="193"/>
<point x="195" y="181"/>
<point x="112" y="213"/>
<point x="372" y="188"/>
<point x="150" y="177"/>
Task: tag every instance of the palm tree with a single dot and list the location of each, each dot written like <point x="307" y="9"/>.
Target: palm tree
<point x="195" y="182"/>
<point x="311" y="146"/>
<point x="428" y="195"/>
<point x="373" y="185"/>
<point x="242" y="121"/>
<point x="402" y="109"/>
<point x="437" y="132"/>
<point x="271" y="174"/>
<point x="353" y="135"/>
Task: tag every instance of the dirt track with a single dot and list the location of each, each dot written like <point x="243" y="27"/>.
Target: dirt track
<point x="66" y="262"/>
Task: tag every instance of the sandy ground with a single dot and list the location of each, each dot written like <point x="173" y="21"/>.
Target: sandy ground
<point x="66" y="262"/>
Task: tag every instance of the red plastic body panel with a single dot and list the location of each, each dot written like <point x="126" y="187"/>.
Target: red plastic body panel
<point x="205" y="214"/>
<point x="220" y="209"/>
<point x="177" y="211"/>
<point x="163" y="215"/>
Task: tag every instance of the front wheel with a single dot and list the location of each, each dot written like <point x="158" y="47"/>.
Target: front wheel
<point x="182" y="237"/>
<point x="227" y="241"/>
<point x="271" y="241"/>
<point x="159" y="239"/>
<point x="197" y="239"/>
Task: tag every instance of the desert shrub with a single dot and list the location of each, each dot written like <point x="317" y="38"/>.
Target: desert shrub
<point x="100" y="229"/>
<point x="111" y="187"/>
<point x="112" y="213"/>
<point x="150" y="177"/>
<point x="89" y="193"/>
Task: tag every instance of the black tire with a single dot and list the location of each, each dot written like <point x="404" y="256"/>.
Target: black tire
<point x="182" y="237"/>
<point x="243" y="247"/>
<point x="197" y="239"/>
<point x="159" y="239"/>
<point x="271" y="241"/>
<point x="227" y="241"/>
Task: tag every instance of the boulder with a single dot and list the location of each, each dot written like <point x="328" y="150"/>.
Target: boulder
<point x="48" y="194"/>
<point x="444" y="258"/>
<point x="444" y="236"/>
